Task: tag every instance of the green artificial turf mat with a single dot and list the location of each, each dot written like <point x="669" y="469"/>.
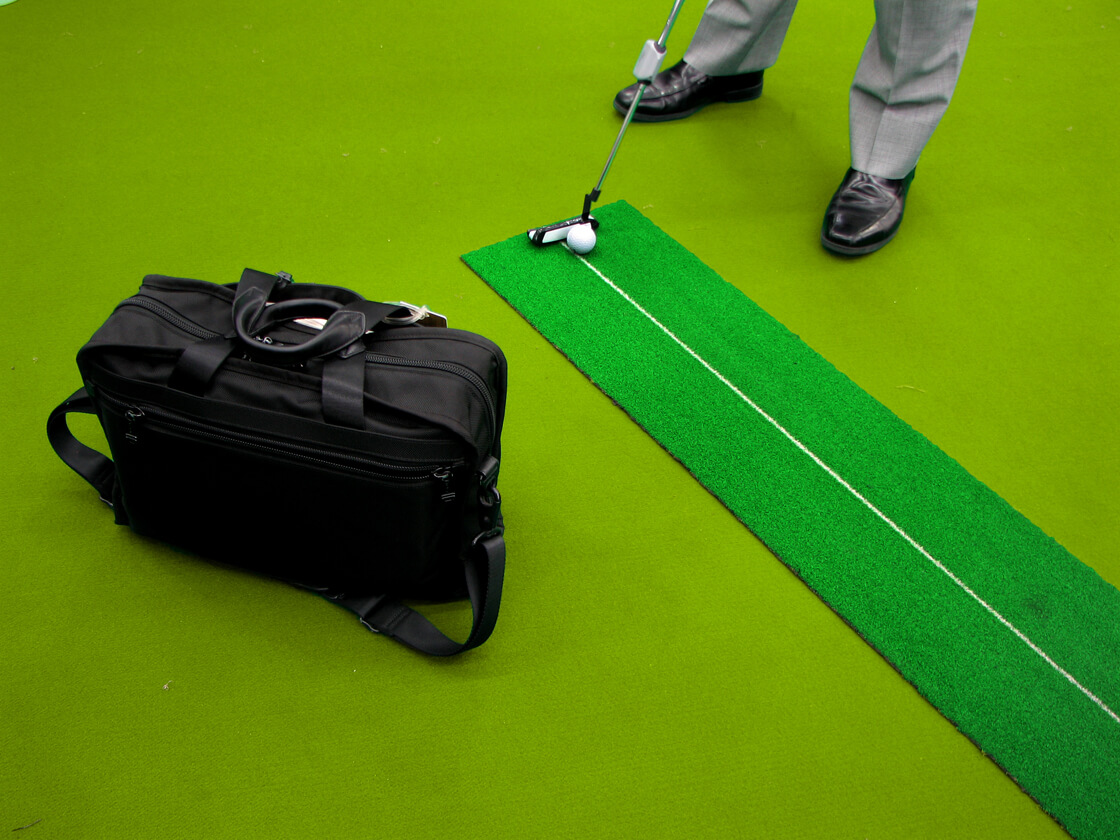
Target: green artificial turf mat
<point x="1006" y="633"/>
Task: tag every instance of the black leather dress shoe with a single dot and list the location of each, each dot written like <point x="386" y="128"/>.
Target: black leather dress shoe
<point x="682" y="90"/>
<point x="864" y="214"/>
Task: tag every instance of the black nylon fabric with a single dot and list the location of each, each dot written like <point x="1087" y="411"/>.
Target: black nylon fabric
<point x="377" y="480"/>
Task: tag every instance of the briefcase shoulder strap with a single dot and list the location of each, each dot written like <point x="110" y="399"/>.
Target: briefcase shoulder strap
<point x="485" y="572"/>
<point x="87" y="462"/>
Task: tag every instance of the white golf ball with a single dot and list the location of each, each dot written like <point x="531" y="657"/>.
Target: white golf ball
<point x="581" y="238"/>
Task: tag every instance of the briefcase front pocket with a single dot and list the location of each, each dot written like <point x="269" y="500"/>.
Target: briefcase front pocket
<point x="309" y="514"/>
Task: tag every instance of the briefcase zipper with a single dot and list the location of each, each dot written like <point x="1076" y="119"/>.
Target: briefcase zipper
<point x="170" y="315"/>
<point x="461" y="371"/>
<point x="136" y="418"/>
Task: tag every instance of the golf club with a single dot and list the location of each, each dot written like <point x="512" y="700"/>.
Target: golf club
<point x="647" y="66"/>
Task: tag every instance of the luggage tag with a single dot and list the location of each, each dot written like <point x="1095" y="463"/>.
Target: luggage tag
<point x="419" y="315"/>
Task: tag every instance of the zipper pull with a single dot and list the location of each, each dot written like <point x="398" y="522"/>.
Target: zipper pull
<point x="133" y="416"/>
<point x="444" y="475"/>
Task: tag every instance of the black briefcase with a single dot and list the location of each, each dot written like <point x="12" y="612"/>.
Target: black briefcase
<point x="302" y="432"/>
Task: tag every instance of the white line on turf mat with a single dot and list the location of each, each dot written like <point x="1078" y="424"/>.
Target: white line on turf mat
<point x="839" y="479"/>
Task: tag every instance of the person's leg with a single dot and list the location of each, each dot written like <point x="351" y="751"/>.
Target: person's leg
<point x="734" y="42"/>
<point x="739" y="36"/>
<point x="905" y="79"/>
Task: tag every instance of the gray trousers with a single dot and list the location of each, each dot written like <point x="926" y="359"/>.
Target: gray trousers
<point x="902" y="85"/>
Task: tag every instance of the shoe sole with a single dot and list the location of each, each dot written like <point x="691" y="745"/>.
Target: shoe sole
<point x="747" y="95"/>
<point x="850" y="251"/>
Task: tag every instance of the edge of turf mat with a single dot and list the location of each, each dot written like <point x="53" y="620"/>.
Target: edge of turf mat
<point x="1007" y="634"/>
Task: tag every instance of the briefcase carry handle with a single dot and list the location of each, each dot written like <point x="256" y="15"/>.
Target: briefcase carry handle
<point x="254" y="316"/>
<point x="484" y="565"/>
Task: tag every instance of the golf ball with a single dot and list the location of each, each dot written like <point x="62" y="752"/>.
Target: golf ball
<point x="581" y="238"/>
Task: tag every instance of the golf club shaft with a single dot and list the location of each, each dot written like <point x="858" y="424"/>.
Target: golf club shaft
<point x="637" y="98"/>
<point x="622" y="131"/>
<point x="669" y="23"/>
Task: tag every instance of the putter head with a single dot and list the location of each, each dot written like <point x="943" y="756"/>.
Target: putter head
<point x="559" y="231"/>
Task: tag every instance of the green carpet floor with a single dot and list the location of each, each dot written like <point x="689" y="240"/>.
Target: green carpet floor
<point x="1005" y="632"/>
<point x="655" y="672"/>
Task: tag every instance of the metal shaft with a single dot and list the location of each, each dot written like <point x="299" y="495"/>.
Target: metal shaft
<point x="634" y="105"/>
